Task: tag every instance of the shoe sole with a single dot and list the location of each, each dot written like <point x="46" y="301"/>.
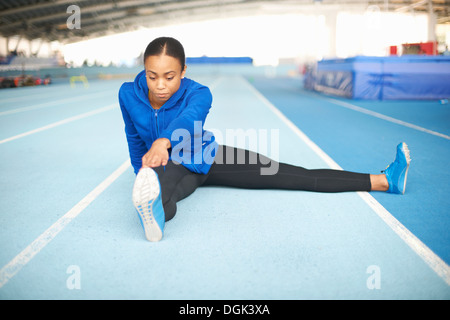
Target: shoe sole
<point x="406" y="152"/>
<point x="145" y="191"/>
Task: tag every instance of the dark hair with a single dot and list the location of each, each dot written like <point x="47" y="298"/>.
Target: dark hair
<point x="168" y="46"/>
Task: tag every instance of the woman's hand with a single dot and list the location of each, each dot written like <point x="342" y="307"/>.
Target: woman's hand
<point x="158" y="155"/>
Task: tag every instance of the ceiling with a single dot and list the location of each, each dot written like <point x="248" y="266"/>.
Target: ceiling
<point x="47" y="19"/>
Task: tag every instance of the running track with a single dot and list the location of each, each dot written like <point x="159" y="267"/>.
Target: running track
<point x="69" y="230"/>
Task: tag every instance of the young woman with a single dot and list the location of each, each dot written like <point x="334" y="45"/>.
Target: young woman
<point x="172" y="155"/>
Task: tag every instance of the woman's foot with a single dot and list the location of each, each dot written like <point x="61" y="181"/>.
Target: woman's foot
<point x="397" y="172"/>
<point x="148" y="204"/>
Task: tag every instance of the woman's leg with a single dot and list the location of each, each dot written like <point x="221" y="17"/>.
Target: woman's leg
<point x="243" y="169"/>
<point x="176" y="183"/>
<point x="379" y="182"/>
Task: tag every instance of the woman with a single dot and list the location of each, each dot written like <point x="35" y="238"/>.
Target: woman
<point x="173" y="155"/>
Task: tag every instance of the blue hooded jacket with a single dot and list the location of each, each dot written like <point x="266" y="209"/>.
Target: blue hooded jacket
<point x="180" y="120"/>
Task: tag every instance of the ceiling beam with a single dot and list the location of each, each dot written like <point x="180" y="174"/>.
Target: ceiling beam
<point x="100" y="18"/>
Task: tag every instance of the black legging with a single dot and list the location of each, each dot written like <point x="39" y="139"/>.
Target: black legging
<point x="234" y="170"/>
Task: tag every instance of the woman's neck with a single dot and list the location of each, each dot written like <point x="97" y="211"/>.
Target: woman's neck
<point x="154" y="105"/>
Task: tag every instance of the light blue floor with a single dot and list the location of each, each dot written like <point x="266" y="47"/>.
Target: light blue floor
<point x="363" y="142"/>
<point x="223" y="243"/>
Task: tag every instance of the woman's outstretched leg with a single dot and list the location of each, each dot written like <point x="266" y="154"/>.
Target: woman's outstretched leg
<point x="245" y="169"/>
<point x="158" y="190"/>
<point x="379" y="182"/>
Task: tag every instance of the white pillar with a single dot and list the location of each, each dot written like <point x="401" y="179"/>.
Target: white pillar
<point x="431" y="22"/>
<point x="330" y="20"/>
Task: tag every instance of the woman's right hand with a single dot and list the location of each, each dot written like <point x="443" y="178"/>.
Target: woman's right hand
<point x="158" y="155"/>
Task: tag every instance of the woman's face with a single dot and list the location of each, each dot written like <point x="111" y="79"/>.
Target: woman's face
<point x="164" y="76"/>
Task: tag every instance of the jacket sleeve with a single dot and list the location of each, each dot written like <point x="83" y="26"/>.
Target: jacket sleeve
<point x="136" y="145"/>
<point x="193" y="115"/>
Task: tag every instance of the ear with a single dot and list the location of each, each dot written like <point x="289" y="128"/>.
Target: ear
<point x="183" y="72"/>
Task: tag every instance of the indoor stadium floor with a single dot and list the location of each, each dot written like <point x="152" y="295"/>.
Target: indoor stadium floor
<point x="69" y="229"/>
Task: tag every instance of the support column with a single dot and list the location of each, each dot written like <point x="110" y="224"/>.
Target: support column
<point x="330" y="20"/>
<point x="431" y="22"/>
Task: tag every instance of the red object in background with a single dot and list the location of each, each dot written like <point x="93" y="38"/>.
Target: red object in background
<point x="429" y="48"/>
<point x="426" y="48"/>
<point x="393" y="50"/>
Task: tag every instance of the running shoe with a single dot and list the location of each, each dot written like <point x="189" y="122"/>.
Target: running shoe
<point x="397" y="172"/>
<point x="147" y="201"/>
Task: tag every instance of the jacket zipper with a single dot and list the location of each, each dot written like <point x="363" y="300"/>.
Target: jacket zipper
<point x="156" y="122"/>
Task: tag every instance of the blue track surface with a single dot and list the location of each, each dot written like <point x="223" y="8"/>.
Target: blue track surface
<point x="223" y="243"/>
<point x="361" y="142"/>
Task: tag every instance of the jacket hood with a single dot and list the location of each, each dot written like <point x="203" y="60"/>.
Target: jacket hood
<point x="141" y="90"/>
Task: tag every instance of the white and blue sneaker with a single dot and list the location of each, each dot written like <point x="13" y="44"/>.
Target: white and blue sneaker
<point x="397" y="172"/>
<point x="147" y="201"/>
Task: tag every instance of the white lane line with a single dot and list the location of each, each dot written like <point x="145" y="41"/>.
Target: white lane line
<point x="435" y="262"/>
<point x="58" y="123"/>
<point x="53" y="103"/>
<point x="382" y="116"/>
<point x="214" y="84"/>
<point x="16" y="264"/>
